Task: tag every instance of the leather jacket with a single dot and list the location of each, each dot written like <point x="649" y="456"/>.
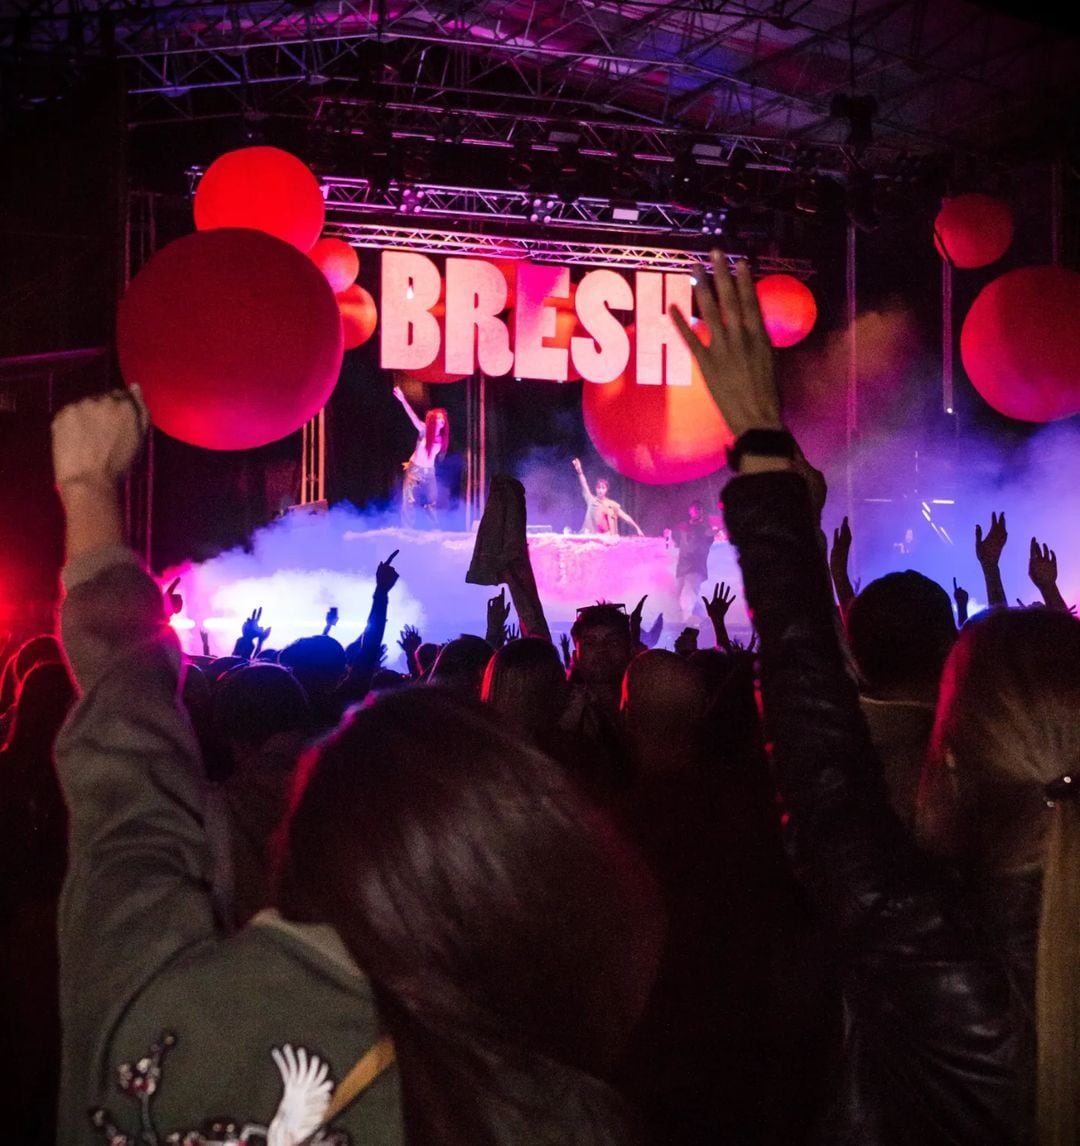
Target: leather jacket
<point x="937" y="1027"/>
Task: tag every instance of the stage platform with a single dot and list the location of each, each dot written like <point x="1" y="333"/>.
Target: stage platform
<point x="303" y="564"/>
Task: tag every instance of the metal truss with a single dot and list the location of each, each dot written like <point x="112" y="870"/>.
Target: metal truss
<point x="943" y="74"/>
<point x="546" y="249"/>
<point x="346" y="198"/>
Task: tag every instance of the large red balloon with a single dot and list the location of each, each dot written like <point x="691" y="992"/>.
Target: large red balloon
<point x="788" y="308"/>
<point x="359" y="316"/>
<point x="265" y="189"/>
<point x="233" y="336"/>
<point x="973" y="230"/>
<point x="1020" y="343"/>
<point x="656" y="434"/>
<point x="338" y="261"/>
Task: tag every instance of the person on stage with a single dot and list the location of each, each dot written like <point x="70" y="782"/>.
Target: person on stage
<point x="602" y="514"/>
<point x="431" y="445"/>
<point x="693" y="538"/>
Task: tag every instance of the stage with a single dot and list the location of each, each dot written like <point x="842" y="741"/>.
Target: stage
<point x="303" y="564"/>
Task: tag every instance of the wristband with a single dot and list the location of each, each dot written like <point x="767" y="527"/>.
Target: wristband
<point x="764" y="443"/>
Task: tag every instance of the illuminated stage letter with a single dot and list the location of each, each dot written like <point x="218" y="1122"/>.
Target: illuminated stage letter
<point x="533" y="322"/>
<point x="603" y="356"/>
<point x="657" y="339"/>
<point x="410" y="333"/>
<point x="475" y="295"/>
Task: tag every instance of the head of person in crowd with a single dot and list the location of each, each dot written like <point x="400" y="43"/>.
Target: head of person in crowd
<point x="900" y="629"/>
<point x="510" y="935"/>
<point x="42" y="649"/>
<point x="426" y="655"/>
<point x="1000" y="795"/>
<point x="525" y="682"/>
<point x="255" y="703"/>
<point x="461" y="663"/>
<point x="664" y="701"/>
<point x="44" y="697"/>
<point x="603" y="646"/>
<point x="319" y="664"/>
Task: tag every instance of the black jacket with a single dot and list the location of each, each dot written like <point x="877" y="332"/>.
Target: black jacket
<point x="937" y="1047"/>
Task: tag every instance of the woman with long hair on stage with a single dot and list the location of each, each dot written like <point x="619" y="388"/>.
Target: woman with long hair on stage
<point x="433" y="440"/>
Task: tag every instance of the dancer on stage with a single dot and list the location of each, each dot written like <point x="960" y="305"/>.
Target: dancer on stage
<point x="602" y="514"/>
<point x="431" y="444"/>
<point x="693" y="538"/>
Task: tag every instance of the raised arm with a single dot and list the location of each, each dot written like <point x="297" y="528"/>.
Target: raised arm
<point x="904" y="951"/>
<point x="363" y="654"/>
<point x="1043" y="571"/>
<point x="838" y="566"/>
<point x="399" y="394"/>
<point x="988" y="551"/>
<point x="586" y="493"/>
<point x="137" y="892"/>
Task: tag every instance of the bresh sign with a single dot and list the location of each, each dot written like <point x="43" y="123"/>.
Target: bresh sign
<point x="479" y="334"/>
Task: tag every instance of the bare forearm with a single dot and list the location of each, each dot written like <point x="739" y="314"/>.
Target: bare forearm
<point x="526" y="597"/>
<point x="995" y="589"/>
<point x="93" y="518"/>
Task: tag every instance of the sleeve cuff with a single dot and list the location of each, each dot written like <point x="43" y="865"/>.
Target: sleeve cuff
<point x="89" y="565"/>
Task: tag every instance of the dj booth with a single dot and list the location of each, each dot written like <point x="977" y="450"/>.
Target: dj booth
<point x="571" y="570"/>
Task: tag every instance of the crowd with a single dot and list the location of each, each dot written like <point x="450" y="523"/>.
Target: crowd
<point x="823" y="889"/>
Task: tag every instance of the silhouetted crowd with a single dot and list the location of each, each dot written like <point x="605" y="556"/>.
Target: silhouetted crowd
<point x="824" y="888"/>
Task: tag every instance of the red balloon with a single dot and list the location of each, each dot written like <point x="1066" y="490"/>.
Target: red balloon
<point x="359" y="316"/>
<point x="656" y="434"/>
<point x="338" y="261"/>
<point x="1020" y="343"/>
<point x="233" y="336"/>
<point x="973" y="230"/>
<point x="265" y="189"/>
<point x="788" y="309"/>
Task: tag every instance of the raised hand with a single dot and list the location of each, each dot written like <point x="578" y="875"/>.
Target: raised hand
<point x="176" y="602"/>
<point x="576" y="463"/>
<point x="498" y="610"/>
<point x="651" y="635"/>
<point x="635" y="620"/>
<point x="737" y="359"/>
<point x="839" y="556"/>
<point x="204" y="637"/>
<point x="512" y="633"/>
<point x="717" y="606"/>
<point x="409" y="641"/>
<point x="961" y="597"/>
<point x="95" y="441"/>
<point x="386" y="576"/>
<point x="841" y="548"/>
<point x="564" y="644"/>
<point x="331" y="620"/>
<point x="252" y="635"/>
<point x="1043" y="571"/>
<point x="251" y="629"/>
<point x="399" y="394"/>
<point x="1042" y="566"/>
<point x="988" y="549"/>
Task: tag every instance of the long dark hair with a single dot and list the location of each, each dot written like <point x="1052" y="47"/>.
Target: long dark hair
<point x="509" y="935"/>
